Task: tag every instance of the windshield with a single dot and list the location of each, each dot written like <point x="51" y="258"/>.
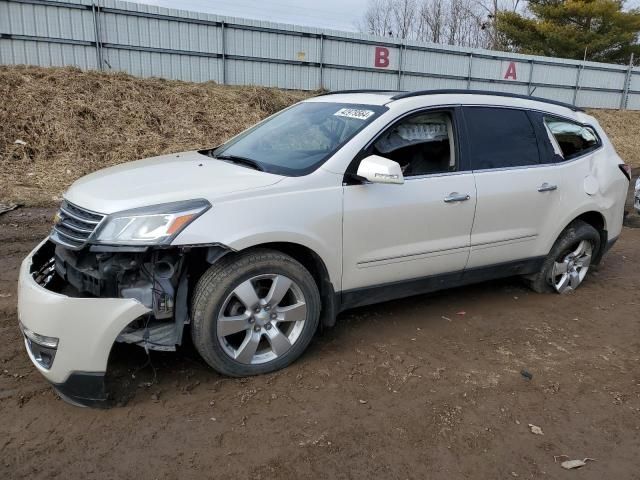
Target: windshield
<point x="299" y="139"/>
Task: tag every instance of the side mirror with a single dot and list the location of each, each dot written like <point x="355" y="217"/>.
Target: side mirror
<point x="377" y="169"/>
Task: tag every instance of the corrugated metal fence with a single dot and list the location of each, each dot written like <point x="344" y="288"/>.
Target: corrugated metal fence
<point x="146" y="40"/>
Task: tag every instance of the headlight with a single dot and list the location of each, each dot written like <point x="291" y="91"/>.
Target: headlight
<point x="155" y="225"/>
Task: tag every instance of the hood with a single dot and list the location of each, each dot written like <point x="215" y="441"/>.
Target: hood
<point x="163" y="179"/>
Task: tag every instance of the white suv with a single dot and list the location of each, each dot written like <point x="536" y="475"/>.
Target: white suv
<point x="341" y="200"/>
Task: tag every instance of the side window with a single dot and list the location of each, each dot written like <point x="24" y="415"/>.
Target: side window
<point x="500" y="137"/>
<point x="572" y="139"/>
<point x="421" y="144"/>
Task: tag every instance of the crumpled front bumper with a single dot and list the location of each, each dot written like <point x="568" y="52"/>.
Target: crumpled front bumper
<point x="86" y="329"/>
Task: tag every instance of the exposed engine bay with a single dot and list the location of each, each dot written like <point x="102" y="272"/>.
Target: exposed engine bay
<point x="157" y="278"/>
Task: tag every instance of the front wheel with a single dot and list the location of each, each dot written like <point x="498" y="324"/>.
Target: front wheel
<point x="254" y="313"/>
<point x="567" y="264"/>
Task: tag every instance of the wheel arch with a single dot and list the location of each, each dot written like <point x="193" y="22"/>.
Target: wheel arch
<point x="316" y="266"/>
<point x="598" y="221"/>
<point x="201" y="258"/>
<point x="313" y="262"/>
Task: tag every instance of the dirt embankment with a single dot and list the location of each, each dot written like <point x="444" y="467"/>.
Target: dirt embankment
<point x="74" y="122"/>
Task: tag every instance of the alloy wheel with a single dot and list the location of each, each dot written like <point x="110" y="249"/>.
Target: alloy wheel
<point x="569" y="269"/>
<point x="261" y="319"/>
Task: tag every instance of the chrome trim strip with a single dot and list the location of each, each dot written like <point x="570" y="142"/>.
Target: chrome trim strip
<point x="522" y="237"/>
<point x="74" y="227"/>
<point x="64" y="234"/>
<point x="435" y="175"/>
<point x="59" y="241"/>
<point x="80" y="219"/>
<point x="86" y="210"/>
<point x="412" y="256"/>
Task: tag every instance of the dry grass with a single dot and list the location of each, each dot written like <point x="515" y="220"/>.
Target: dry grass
<point x="75" y="122"/>
<point x="623" y="128"/>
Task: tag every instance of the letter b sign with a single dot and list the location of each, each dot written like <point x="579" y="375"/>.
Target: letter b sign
<point x="381" y="59"/>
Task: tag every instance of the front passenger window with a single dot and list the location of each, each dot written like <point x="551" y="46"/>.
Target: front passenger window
<point x="422" y="144"/>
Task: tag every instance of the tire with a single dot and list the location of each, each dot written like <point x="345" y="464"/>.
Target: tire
<point x="575" y="249"/>
<point x="245" y="300"/>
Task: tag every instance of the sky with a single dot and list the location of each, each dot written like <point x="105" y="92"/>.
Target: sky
<point x="334" y="14"/>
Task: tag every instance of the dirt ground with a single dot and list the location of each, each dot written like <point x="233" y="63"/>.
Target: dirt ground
<point x="426" y="387"/>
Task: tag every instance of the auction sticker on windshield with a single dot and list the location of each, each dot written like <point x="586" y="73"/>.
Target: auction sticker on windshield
<point x="354" y="113"/>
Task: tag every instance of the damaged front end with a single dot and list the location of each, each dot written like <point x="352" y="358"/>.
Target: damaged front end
<point x="77" y="296"/>
<point x="128" y="255"/>
<point x="156" y="278"/>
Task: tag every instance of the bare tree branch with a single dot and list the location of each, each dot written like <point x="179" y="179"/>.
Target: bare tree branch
<point x="468" y="23"/>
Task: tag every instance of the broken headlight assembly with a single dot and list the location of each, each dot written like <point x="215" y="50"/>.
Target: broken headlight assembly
<point x="155" y="225"/>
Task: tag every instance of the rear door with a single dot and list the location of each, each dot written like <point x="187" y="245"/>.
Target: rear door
<point x="518" y="185"/>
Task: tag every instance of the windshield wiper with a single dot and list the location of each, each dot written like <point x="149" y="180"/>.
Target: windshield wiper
<point x="247" y="162"/>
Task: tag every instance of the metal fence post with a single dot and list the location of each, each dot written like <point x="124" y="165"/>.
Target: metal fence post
<point x="577" y="87"/>
<point x="95" y="9"/>
<point x="400" y="58"/>
<point x="321" y="61"/>
<point x="532" y="62"/>
<point x="469" y="71"/>
<point x="223" y="46"/>
<point x="627" y="81"/>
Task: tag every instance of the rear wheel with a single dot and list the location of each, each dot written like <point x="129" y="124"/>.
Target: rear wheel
<point x="254" y="313"/>
<point x="567" y="264"/>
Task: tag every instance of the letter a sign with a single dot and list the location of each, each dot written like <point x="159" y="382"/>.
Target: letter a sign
<point x="511" y="72"/>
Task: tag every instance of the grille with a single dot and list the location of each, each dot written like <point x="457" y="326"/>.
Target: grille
<point x="75" y="226"/>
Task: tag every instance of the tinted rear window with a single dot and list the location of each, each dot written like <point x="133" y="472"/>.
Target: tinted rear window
<point x="500" y="138"/>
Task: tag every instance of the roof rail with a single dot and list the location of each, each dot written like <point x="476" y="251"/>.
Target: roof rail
<point x="484" y="92"/>
<point x="363" y="90"/>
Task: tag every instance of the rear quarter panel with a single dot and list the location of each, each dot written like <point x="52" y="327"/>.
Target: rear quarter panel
<point x="599" y="169"/>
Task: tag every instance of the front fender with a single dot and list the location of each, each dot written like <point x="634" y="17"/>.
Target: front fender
<point x="311" y="217"/>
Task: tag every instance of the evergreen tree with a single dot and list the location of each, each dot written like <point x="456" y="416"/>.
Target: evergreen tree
<point x="565" y="28"/>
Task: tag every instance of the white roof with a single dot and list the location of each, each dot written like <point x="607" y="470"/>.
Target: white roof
<point x="381" y="98"/>
<point x="444" y="98"/>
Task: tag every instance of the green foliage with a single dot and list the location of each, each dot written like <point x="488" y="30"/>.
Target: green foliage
<point x="564" y="28"/>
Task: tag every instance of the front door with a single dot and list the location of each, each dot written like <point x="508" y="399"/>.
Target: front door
<point x="421" y="228"/>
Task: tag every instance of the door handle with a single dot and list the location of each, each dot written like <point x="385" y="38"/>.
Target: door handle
<point x="547" y="187"/>
<point x="456" y="197"/>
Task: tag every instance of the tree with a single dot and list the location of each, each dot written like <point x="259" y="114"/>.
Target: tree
<point x="492" y="8"/>
<point x="404" y="16"/>
<point x="453" y="22"/>
<point x="378" y="19"/>
<point x="569" y="28"/>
